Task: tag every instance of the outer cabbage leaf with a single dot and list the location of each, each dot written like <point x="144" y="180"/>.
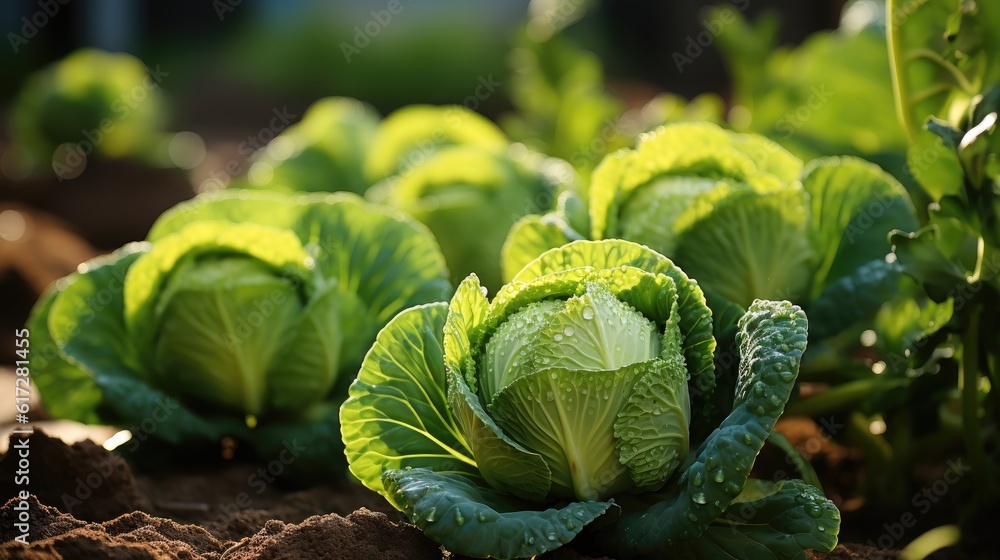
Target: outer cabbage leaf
<point x="853" y="207"/>
<point x="471" y="520"/>
<point x="411" y="134"/>
<point x="87" y="323"/>
<point x="771" y="340"/>
<point x="389" y="260"/>
<point x="853" y="297"/>
<point x="680" y="150"/>
<point x="777" y="526"/>
<point x="531" y="236"/>
<point x="746" y="242"/>
<point x="229" y="206"/>
<point x="67" y="391"/>
<point x="503" y="462"/>
<point x="407" y="268"/>
<point x="397" y="415"/>
<point x="325" y="151"/>
<point x="470" y="198"/>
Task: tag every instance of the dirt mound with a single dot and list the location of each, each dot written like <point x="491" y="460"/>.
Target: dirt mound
<point x="133" y="536"/>
<point x="210" y="513"/>
<point x="362" y="534"/>
<point x="82" y="479"/>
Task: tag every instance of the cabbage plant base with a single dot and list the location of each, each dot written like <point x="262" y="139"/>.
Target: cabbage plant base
<point x="417" y="431"/>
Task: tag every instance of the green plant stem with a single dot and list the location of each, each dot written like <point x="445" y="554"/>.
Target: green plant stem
<point x="968" y="384"/>
<point x="980" y="257"/>
<point x="844" y="396"/>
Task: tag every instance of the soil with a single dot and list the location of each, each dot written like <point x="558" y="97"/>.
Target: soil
<point x="88" y="503"/>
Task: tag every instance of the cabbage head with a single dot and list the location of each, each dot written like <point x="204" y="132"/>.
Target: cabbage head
<point x="588" y="395"/>
<point x="243" y="315"/>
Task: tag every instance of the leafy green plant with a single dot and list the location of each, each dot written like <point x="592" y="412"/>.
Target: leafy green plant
<point x="470" y="197"/>
<point x="325" y="151"/>
<point x="561" y="107"/>
<point x="408" y="136"/>
<point x="107" y="103"/>
<point x="585" y="395"/>
<point x="807" y="98"/>
<point x="743" y="216"/>
<point x="240" y="316"/>
<point x="946" y="71"/>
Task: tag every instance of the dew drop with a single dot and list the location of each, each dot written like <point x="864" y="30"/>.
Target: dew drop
<point x="568" y="331"/>
<point x="699" y="498"/>
<point x="555" y="375"/>
<point x="588" y="313"/>
<point x="459" y="518"/>
<point x="431" y="515"/>
<point x="481" y="517"/>
<point x="719" y="476"/>
<point x="699" y="479"/>
<point x="557" y="337"/>
<point x="822" y="529"/>
<point x="549" y="396"/>
<point x="552" y="536"/>
<point x="759" y="390"/>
